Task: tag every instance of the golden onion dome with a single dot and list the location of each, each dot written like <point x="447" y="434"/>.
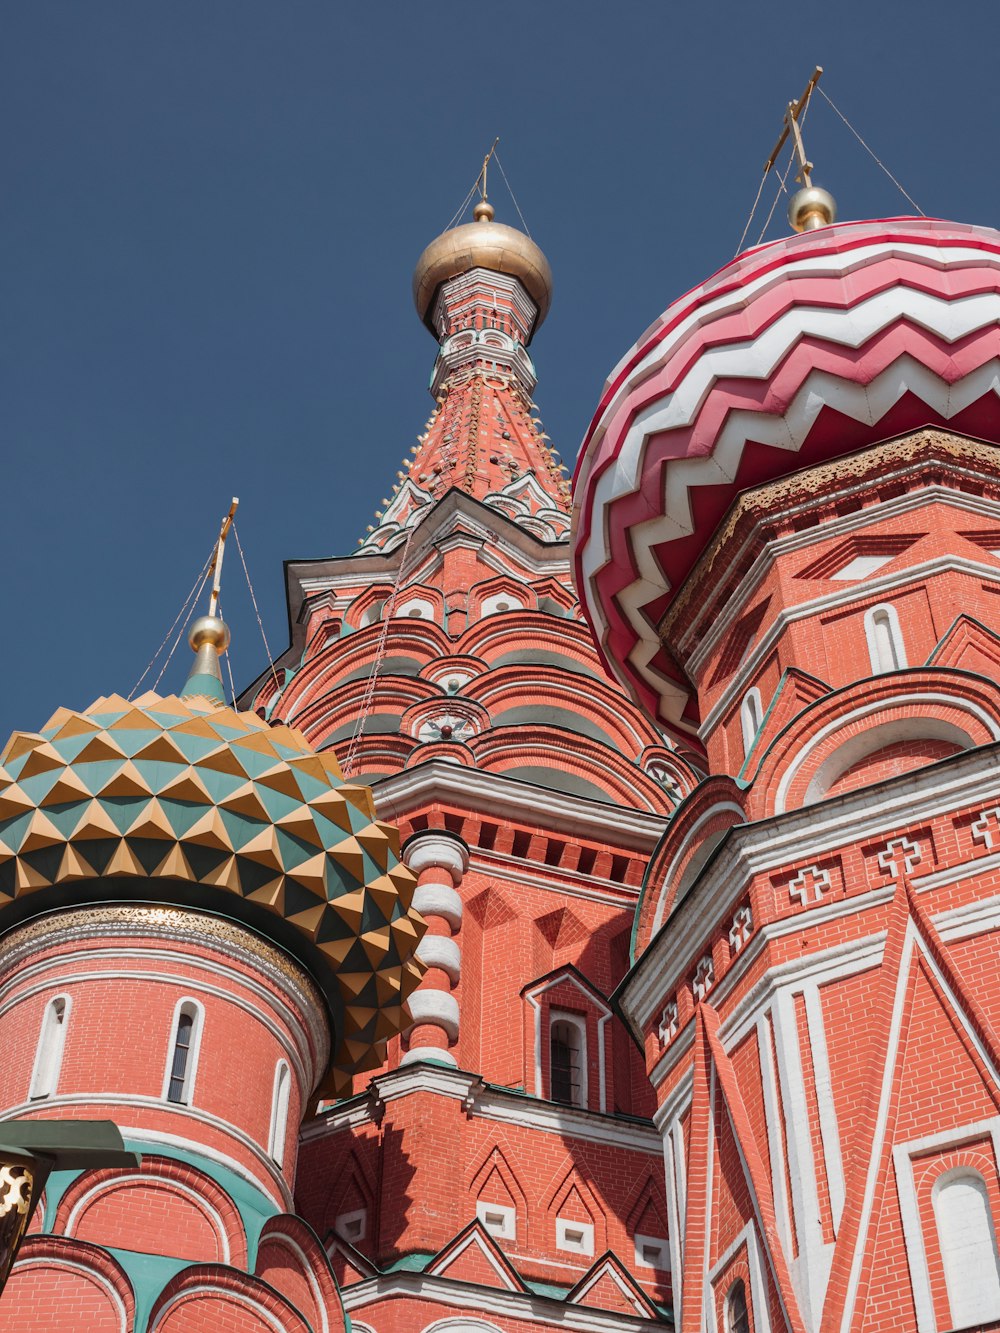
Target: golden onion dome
<point x="482" y="244"/>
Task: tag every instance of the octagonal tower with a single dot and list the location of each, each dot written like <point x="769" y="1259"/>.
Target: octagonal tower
<point x="787" y="543"/>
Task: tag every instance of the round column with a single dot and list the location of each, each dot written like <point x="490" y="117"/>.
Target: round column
<point x="439" y="860"/>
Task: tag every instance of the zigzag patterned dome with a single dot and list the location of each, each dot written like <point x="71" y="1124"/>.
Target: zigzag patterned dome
<point x="801" y="350"/>
<point x="185" y="800"/>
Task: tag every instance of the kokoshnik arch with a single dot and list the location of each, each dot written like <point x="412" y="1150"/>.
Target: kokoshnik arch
<point x="678" y="1006"/>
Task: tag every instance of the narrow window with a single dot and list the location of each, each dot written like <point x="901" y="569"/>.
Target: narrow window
<point x="566" y="1061"/>
<point x="279" y="1112"/>
<point x="751" y="715"/>
<point x="885" y="640"/>
<point x="968" y="1247"/>
<point x="184" y="1053"/>
<point x="49" y="1053"/>
<point x="737" y="1317"/>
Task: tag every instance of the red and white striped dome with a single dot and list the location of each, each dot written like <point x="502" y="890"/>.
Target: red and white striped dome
<point x="801" y="350"/>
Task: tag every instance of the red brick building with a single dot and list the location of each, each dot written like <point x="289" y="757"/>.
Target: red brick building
<point x="705" y="1028"/>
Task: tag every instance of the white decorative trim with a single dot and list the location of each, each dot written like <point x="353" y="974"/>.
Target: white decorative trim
<point x="197" y="1012"/>
<point x="741" y="929"/>
<point x="441" y="952"/>
<point x="981" y="827"/>
<point x="271" y="1175"/>
<point x="281" y="1094"/>
<point x="667" y="1029"/>
<point x="428" y="1054"/>
<point x="150" y="1178"/>
<point x="490" y="1103"/>
<point x="307" y="1059"/>
<point x="660" y="1244"/>
<point x="206" y="1289"/>
<point x="766" y="847"/>
<point x="429" y="1005"/>
<point x="903" y="1155"/>
<point x="865" y="739"/>
<point x="704" y="978"/>
<point x="899" y="852"/>
<point x="430" y="850"/>
<point x="809" y="885"/>
<point x="99" y="1280"/>
<point x="758" y="1286"/>
<point x="811" y="1269"/>
<point x="50" y="1048"/>
<point x="828" y="1127"/>
<point x="574" y="1237"/>
<point x="775" y="1132"/>
<point x="503" y="798"/>
<point x="505" y="1225"/>
<point x="604" y="1013"/>
<point x="884" y="614"/>
<point x="441" y="900"/>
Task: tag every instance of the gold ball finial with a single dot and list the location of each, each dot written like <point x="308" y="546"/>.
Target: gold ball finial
<point x="483" y="211"/>
<point x="811" y="208"/>
<point x="211" y="630"/>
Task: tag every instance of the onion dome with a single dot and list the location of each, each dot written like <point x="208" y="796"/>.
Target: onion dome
<point x="184" y="800"/>
<point x="802" y="350"/>
<point x="482" y="244"/>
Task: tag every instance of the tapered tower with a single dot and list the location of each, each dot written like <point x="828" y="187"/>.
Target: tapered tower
<point x="503" y="1158"/>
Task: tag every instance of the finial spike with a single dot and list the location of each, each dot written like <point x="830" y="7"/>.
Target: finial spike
<point x="810" y="207"/>
<point x="208" y="635"/>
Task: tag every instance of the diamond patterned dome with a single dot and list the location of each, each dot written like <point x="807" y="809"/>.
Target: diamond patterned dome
<point x="187" y="800"/>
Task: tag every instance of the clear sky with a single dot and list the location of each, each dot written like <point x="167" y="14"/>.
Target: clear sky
<point x="210" y="211"/>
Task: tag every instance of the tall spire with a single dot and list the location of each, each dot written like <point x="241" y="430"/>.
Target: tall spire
<point x="482" y="289"/>
<point x="209" y="635"/>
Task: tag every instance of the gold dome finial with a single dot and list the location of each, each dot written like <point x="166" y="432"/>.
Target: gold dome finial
<point x="209" y="635"/>
<point x="483" y="243"/>
<point x="810" y="207"/>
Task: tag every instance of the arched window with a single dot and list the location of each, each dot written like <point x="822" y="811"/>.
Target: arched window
<point x="49" y="1052"/>
<point x="183" y="1061"/>
<point x="968" y="1247"/>
<point x="737" y="1315"/>
<point x="567" y="1060"/>
<point x="279" y="1113"/>
<point x="751" y="716"/>
<point x="885" y="640"/>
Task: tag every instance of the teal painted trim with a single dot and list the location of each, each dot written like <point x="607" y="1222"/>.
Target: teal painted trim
<point x="410" y="1263"/>
<point x="254" y="1207"/>
<point x="149" y="1274"/>
<point x="204" y="684"/>
<point x="741" y="780"/>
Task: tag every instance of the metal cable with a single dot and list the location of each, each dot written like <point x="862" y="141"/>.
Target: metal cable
<point x="229" y="665"/>
<point x="777" y="195"/>
<point x="256" y="610"/>
<point x="173" y="649"/>
<point x="496" y="158"/>
<point x="196" y="588"/>
<point x="908" y="197"/>
<point x="760" y="191"/>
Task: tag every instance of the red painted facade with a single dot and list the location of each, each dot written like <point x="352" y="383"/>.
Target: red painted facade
<point x="706" y="1028"/>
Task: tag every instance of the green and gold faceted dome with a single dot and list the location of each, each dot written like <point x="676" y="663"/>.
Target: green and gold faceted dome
<point x="184" y="800"/>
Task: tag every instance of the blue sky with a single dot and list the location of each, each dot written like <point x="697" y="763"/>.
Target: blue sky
<point x="210" y="211"/>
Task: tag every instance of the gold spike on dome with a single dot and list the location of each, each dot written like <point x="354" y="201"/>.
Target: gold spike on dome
<point x="812" y="206"/>
<point x="130" y="796"/>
